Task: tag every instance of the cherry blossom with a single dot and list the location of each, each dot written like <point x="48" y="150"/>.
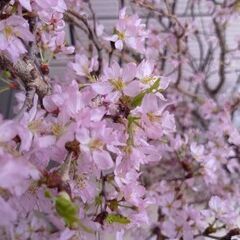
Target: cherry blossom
<point x="136" y="139"/>
<point x="12" y="30"/>
<point x="129" y="30"/>
<point x="117" y="81"/>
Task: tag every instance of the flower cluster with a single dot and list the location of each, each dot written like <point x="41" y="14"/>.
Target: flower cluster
<point x="92" y="143"/>
<point x="134" y="142"/>
<point x="13" y="30"/>
<point x="130" y="31"/>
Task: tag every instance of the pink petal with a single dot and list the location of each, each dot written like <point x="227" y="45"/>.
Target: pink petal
<point x="7" y="213"/>
<point x="3" y="42"/>
<point x="7" y="131"/>
<point x="119" y="44"/>
<point x="83" y="136"/>
<point x="24" y="33"/>
<point x="112" y="38"/>
<point x="102" y="87"/>
<point x="149" y="103"/>
<point x="145" y="69"/>
<point x="132" y="89"/>
<point x="103" y="160"/>
<point x="26" y="4"/>
<point x="46" y="141"/>
<point x="129" y="72"/>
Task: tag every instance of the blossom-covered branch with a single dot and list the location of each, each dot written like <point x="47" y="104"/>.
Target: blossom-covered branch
<point x="136" y="138"/>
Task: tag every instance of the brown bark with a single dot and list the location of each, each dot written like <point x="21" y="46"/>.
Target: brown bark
<point x="3" y="3"/>
<point x="26" y="70"/>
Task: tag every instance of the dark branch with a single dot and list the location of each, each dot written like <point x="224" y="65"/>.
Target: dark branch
<point x="91" y="34"/>
<point x="26" y="70"/>
<point x="222" y="43"/>
<point x="3" y="3"/>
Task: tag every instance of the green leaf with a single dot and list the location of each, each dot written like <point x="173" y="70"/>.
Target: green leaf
<point x="47" y="194"/>
<point x="6" y="74"/>
<point x="137" y="101"/>
<point x="131" y="120"/>
<point x="85" y="228"/>
<point x="67" y="210"/>
<point x="155" y="86"/>
<point x="117" y="218"/>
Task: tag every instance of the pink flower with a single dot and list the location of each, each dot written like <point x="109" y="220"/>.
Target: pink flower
<point x="169" y="203"/>
<point x="84" y="187"/>
<point x="178" y="227"/>
<point x="67" y="234"/>
<point x="12" y="30"/>
<point x="140" y="218"/>
<point x="63" y="129"/>
<point x="224" y="209"/>
<point x="57" y="44"/>
<point x="122" y="177"/>
<point x="120" y="235"/>
<point x="66" y="99"/>
<point x="217" y="205"/>
<point x="54" y="21"/>
<point x="8" y="214"/>
<point x="28" y="128"/>
<point x="8" y="130"/>
<point x="56" y="5"/>
<point x="15" y="175"/>
<point x="145" y="73"/>
<point x="75" y="4"/>
<point x="208" y="170"/>
<point x="208" y="107"/>
<point x="26" y="4"/>
<point x="168" y="123"/>
<point x="93" y="144"/>
<point x="83" y="67"/>
<point x="118" y="81"/>
<point x="155" y="120"/>
<point x="234" y="136"/>
<point x="129" y="30"/>
<point x="133" y="193"/>
<point x="197" y="151"/>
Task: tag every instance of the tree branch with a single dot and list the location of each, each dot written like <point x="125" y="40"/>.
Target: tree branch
<point x="3" y="3"/>
<point x="222" y="43"/>
<point x="91" y="34"/>
<point x="26" y="70"/>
